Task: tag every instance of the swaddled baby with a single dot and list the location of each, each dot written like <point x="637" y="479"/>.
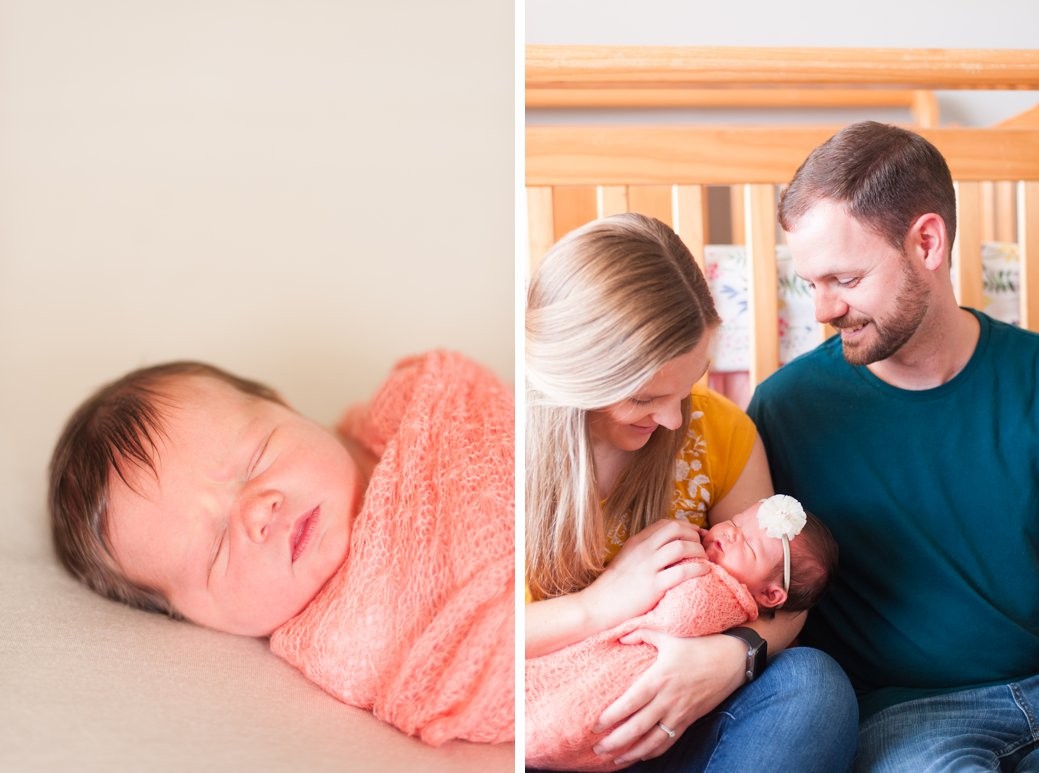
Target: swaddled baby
<point x="380" y="561"/>
<point x="772" y="555"/>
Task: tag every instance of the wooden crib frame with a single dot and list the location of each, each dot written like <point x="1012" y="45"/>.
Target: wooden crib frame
<point x="575" y="173"/>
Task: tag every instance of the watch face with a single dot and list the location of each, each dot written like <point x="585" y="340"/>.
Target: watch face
<point x="756" y="656"/>
<point x="757" y="650"/>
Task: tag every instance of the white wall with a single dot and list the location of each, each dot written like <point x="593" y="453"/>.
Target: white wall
<point x="302" y="191"/>
<point x="878" y="23"/>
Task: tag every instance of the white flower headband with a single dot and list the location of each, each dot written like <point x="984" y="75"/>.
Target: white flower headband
<point x="782" y="517"/>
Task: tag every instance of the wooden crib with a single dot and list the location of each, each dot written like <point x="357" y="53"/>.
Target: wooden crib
<point x="585" y="169"/>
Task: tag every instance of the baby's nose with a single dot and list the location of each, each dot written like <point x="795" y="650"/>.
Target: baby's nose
<point x="257" y="512"/>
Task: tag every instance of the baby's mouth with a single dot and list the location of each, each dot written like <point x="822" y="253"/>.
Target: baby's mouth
<point x="303" y="532"/>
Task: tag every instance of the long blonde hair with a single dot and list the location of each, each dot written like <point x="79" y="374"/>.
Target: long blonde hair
<point x="608" y="306"/>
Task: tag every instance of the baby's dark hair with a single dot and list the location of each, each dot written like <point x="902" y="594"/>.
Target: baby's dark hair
<point x="115" y="429"/>
<point x="813" y="562"/>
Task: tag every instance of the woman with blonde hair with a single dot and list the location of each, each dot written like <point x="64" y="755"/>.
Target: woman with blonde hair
<point x="627" y="453"/>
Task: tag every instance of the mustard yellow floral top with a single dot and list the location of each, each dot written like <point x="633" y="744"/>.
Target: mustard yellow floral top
<point x="718" y="442"/>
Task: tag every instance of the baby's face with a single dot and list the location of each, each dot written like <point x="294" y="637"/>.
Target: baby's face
<point x="741" y="547"/>
<point x="248" y="516"/>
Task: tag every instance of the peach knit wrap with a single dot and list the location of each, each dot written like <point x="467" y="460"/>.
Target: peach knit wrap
<point x="418" y="623"/>
<point x="567" y="690"/>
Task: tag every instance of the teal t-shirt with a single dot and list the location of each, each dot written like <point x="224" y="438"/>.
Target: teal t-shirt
<point x="933" y="497"/>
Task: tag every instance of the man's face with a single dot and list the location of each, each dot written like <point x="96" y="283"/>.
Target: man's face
<point x="865" y="288"/>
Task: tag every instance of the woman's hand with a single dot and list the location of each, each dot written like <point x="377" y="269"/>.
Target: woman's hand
<point x="689" y="678"/>
<point x="649" y="565"/>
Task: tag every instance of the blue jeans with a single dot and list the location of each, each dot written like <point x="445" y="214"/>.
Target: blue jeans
<point x="984" y="728"/>
<point x="799" y="715"/>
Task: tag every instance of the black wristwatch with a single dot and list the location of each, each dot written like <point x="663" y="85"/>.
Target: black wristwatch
<point x="757" y="651"/>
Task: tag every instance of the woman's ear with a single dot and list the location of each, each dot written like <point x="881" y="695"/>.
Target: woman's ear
<point x="771" y="596"/>
<point x="926" y="240"/>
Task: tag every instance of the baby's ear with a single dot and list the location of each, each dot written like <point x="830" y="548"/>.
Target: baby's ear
<point x="771" y="596"/>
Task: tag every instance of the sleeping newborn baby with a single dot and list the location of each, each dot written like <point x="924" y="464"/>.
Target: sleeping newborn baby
<point x="364" y="555"/>
<point x="772" y="555"/>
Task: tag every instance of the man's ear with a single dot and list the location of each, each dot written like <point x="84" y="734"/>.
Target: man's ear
<point x="926" y="240"/>
<point x="771" y="596"/>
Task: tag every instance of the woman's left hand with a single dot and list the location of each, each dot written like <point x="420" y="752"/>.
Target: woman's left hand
<point x="689" y="678"/>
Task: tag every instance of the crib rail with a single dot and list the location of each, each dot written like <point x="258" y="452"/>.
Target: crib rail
<point x="575" y="173"/>
<point x="921" y="104"/>
<point x="735" y="67"/>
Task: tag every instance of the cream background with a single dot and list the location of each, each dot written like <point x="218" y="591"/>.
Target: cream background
<point x="301" y="192"/>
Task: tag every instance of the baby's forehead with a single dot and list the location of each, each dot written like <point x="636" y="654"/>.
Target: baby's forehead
<point x="198" y="388"/>
<point x="192" y="410"/>
<point x="196" y="419"/>
<point x="187" y="398"/>
<point x="205" y="407"/>
<point x="749" y="517"/>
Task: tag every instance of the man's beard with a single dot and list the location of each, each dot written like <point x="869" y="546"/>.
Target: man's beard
<point x="892" y="333"/>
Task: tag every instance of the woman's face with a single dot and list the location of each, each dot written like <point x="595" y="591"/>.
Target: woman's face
<point x="627" y="425"/>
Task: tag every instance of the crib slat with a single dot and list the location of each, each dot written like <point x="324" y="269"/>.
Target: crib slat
<point x="988" y="211"/>
<point x="925" y="108"/>
<point x="613" y="199"/>
<point x="1005" y="211"/>
<point x="691" y="219"/>
<point x="652" y="200"/>
<point x="540" y="233"/>
<point x="572" y="206"/>
<point x="737" y="214"/>
<point x="763" y="299"/>
<point x="967" y="247"/>
<point x="1028" y="241"/>
<point x="691" y="226"/>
